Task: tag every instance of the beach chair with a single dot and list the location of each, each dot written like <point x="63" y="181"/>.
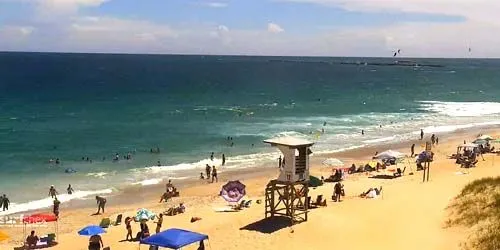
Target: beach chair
<point x="105" y="223"/>
<point x="248" y="203"/>
<point x="399" y="172"/>
<point x="118" y="220"/>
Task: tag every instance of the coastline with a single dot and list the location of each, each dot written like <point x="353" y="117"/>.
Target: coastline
<point x="199" y="197"/>
<point x="146" y="193"/>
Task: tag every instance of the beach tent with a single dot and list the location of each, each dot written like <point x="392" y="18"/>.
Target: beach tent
<point x="480" y="141"/>
<point x="174" y="238"/>
<point x="389" y="154"/>
<point x="40" y="219"/>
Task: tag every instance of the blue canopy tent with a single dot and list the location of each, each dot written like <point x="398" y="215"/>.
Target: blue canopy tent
<point x="174" y="238"/>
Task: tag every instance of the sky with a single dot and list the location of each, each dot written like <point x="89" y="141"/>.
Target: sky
<point x="362" y="28"/>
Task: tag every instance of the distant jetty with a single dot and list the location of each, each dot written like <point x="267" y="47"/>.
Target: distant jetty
<point x="399" y="63"/>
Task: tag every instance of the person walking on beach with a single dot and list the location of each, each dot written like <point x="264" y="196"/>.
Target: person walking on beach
<point x="437" y="140"/>
<point x="338" y="189"/>
<point x="70" y="189"/>
<point x="421" y="134"/>
<point x="433" y="139"/>
<point x="52" y="192"/>
<point x="223" y="159"/>
<point x="214" y="174"/>
<point x="56" y="207"/>
<point x="5" y="203"/>
<point x="128" y="220"/>
<point x="101" y="203"/>
<point x="412" y="149"/>
<point x="279" y="162"/>
<point x="208" y="170"/>
<point x="158" y="223"/>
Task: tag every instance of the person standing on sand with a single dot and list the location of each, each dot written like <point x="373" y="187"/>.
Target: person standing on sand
<point x="433" y="139"/>
<point x="223" y="159"/>
<point x="412" y="149"/>
<point x="5" y="203"/>
<point x="101" y="203"/>
<point x="337" y="191"/>
<point x="56" y="207"/>
<point x="214" y="174"/>
<point x="421" y="134"/>
<point x="279" y="162"/>
<point x="128" y="220"/>
<point x="158" y="223"/>
<point x="207" y="171"/>
<point x="437" y="140"/>
<point x="70" y="189"/>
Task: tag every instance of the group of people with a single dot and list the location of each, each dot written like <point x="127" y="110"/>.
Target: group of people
<point x="211" y="172"/>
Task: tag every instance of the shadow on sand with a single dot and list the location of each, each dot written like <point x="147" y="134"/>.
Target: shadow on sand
<point x="383" y="177"/>
<point x="269" y="225"/>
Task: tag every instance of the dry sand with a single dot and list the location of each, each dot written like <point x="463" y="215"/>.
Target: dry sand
<point x="409" y="215"/>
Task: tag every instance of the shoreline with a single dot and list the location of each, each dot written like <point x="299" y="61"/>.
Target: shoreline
<point x="143" y="193"/>
<point x="201" y="198"/>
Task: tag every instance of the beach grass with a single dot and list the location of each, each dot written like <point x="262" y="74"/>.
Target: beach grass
<point x="478" y="207"/>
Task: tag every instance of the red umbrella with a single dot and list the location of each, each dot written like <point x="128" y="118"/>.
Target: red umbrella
<point x="39" y="218"/>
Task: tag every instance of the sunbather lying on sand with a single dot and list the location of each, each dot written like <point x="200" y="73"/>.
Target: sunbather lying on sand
<point x="175" y="210"/>
<point x="371" y="193"/>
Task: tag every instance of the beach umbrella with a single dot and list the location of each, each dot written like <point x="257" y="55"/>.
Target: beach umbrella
<point x="485" y="137"/>
<point x="315" y="181"/>
<point x="333" y="162"/>
<point x="3" y="236"/>
<point x="144" y="214"/>
<point x="233" y="191"/>
<point x="91" y="230"/>
<point x="480" y="141"/>
<point x="389" y="154"/>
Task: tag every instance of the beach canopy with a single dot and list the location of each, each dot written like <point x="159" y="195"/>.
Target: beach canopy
<point x="39" y="218"/>
<point x="233" y="191"/>
<point x="144" y="214"/>
<point x="91" y="230"/>
<point x="485" y="137"/>
<point x="3" y="236"/>
<point x="174" y="238"/>
<point x="389" y="154"/>
<point x="333" y="162"/>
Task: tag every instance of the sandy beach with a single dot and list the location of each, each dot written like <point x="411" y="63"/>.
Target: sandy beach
<point x="408" y="215"/>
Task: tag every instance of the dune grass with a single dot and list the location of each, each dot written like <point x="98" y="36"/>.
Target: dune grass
<point x="478" y="207"/>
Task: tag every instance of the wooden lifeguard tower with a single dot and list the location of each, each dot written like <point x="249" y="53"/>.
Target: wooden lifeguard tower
<point x="287" y="195"/>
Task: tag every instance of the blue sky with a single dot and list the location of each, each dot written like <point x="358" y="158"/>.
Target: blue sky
<point x="434" y="28"/>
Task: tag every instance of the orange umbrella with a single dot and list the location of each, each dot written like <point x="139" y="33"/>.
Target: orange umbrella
<point x="3" y="236"/>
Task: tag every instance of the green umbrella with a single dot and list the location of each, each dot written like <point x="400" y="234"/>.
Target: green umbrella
<point x="314" y="181"/>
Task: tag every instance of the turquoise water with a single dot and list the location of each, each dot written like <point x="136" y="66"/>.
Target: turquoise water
<point x="70" y="106"/>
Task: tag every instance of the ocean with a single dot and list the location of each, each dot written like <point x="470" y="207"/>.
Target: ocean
<point x="73" y="106"/>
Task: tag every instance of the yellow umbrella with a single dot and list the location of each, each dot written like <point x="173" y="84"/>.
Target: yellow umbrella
<point x="3" y="236"/>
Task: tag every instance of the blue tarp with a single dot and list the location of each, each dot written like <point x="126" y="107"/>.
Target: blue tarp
<point x="174" y="238"/>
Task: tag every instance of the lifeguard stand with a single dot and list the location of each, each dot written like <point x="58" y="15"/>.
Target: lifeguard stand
<point x="287" y="195"/>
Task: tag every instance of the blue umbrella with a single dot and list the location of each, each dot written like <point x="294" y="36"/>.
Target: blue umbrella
<point x="91" y="230"/>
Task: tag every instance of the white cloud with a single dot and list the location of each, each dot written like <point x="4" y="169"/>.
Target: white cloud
<point x="274" y="28"/>
<point x="53" y="9"/>
<point x="476" y="10"/>
<point x="215" y="4"/>
<point x="223" y="28"/>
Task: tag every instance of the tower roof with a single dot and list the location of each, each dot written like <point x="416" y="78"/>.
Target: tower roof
<point x="289" y="141"/>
